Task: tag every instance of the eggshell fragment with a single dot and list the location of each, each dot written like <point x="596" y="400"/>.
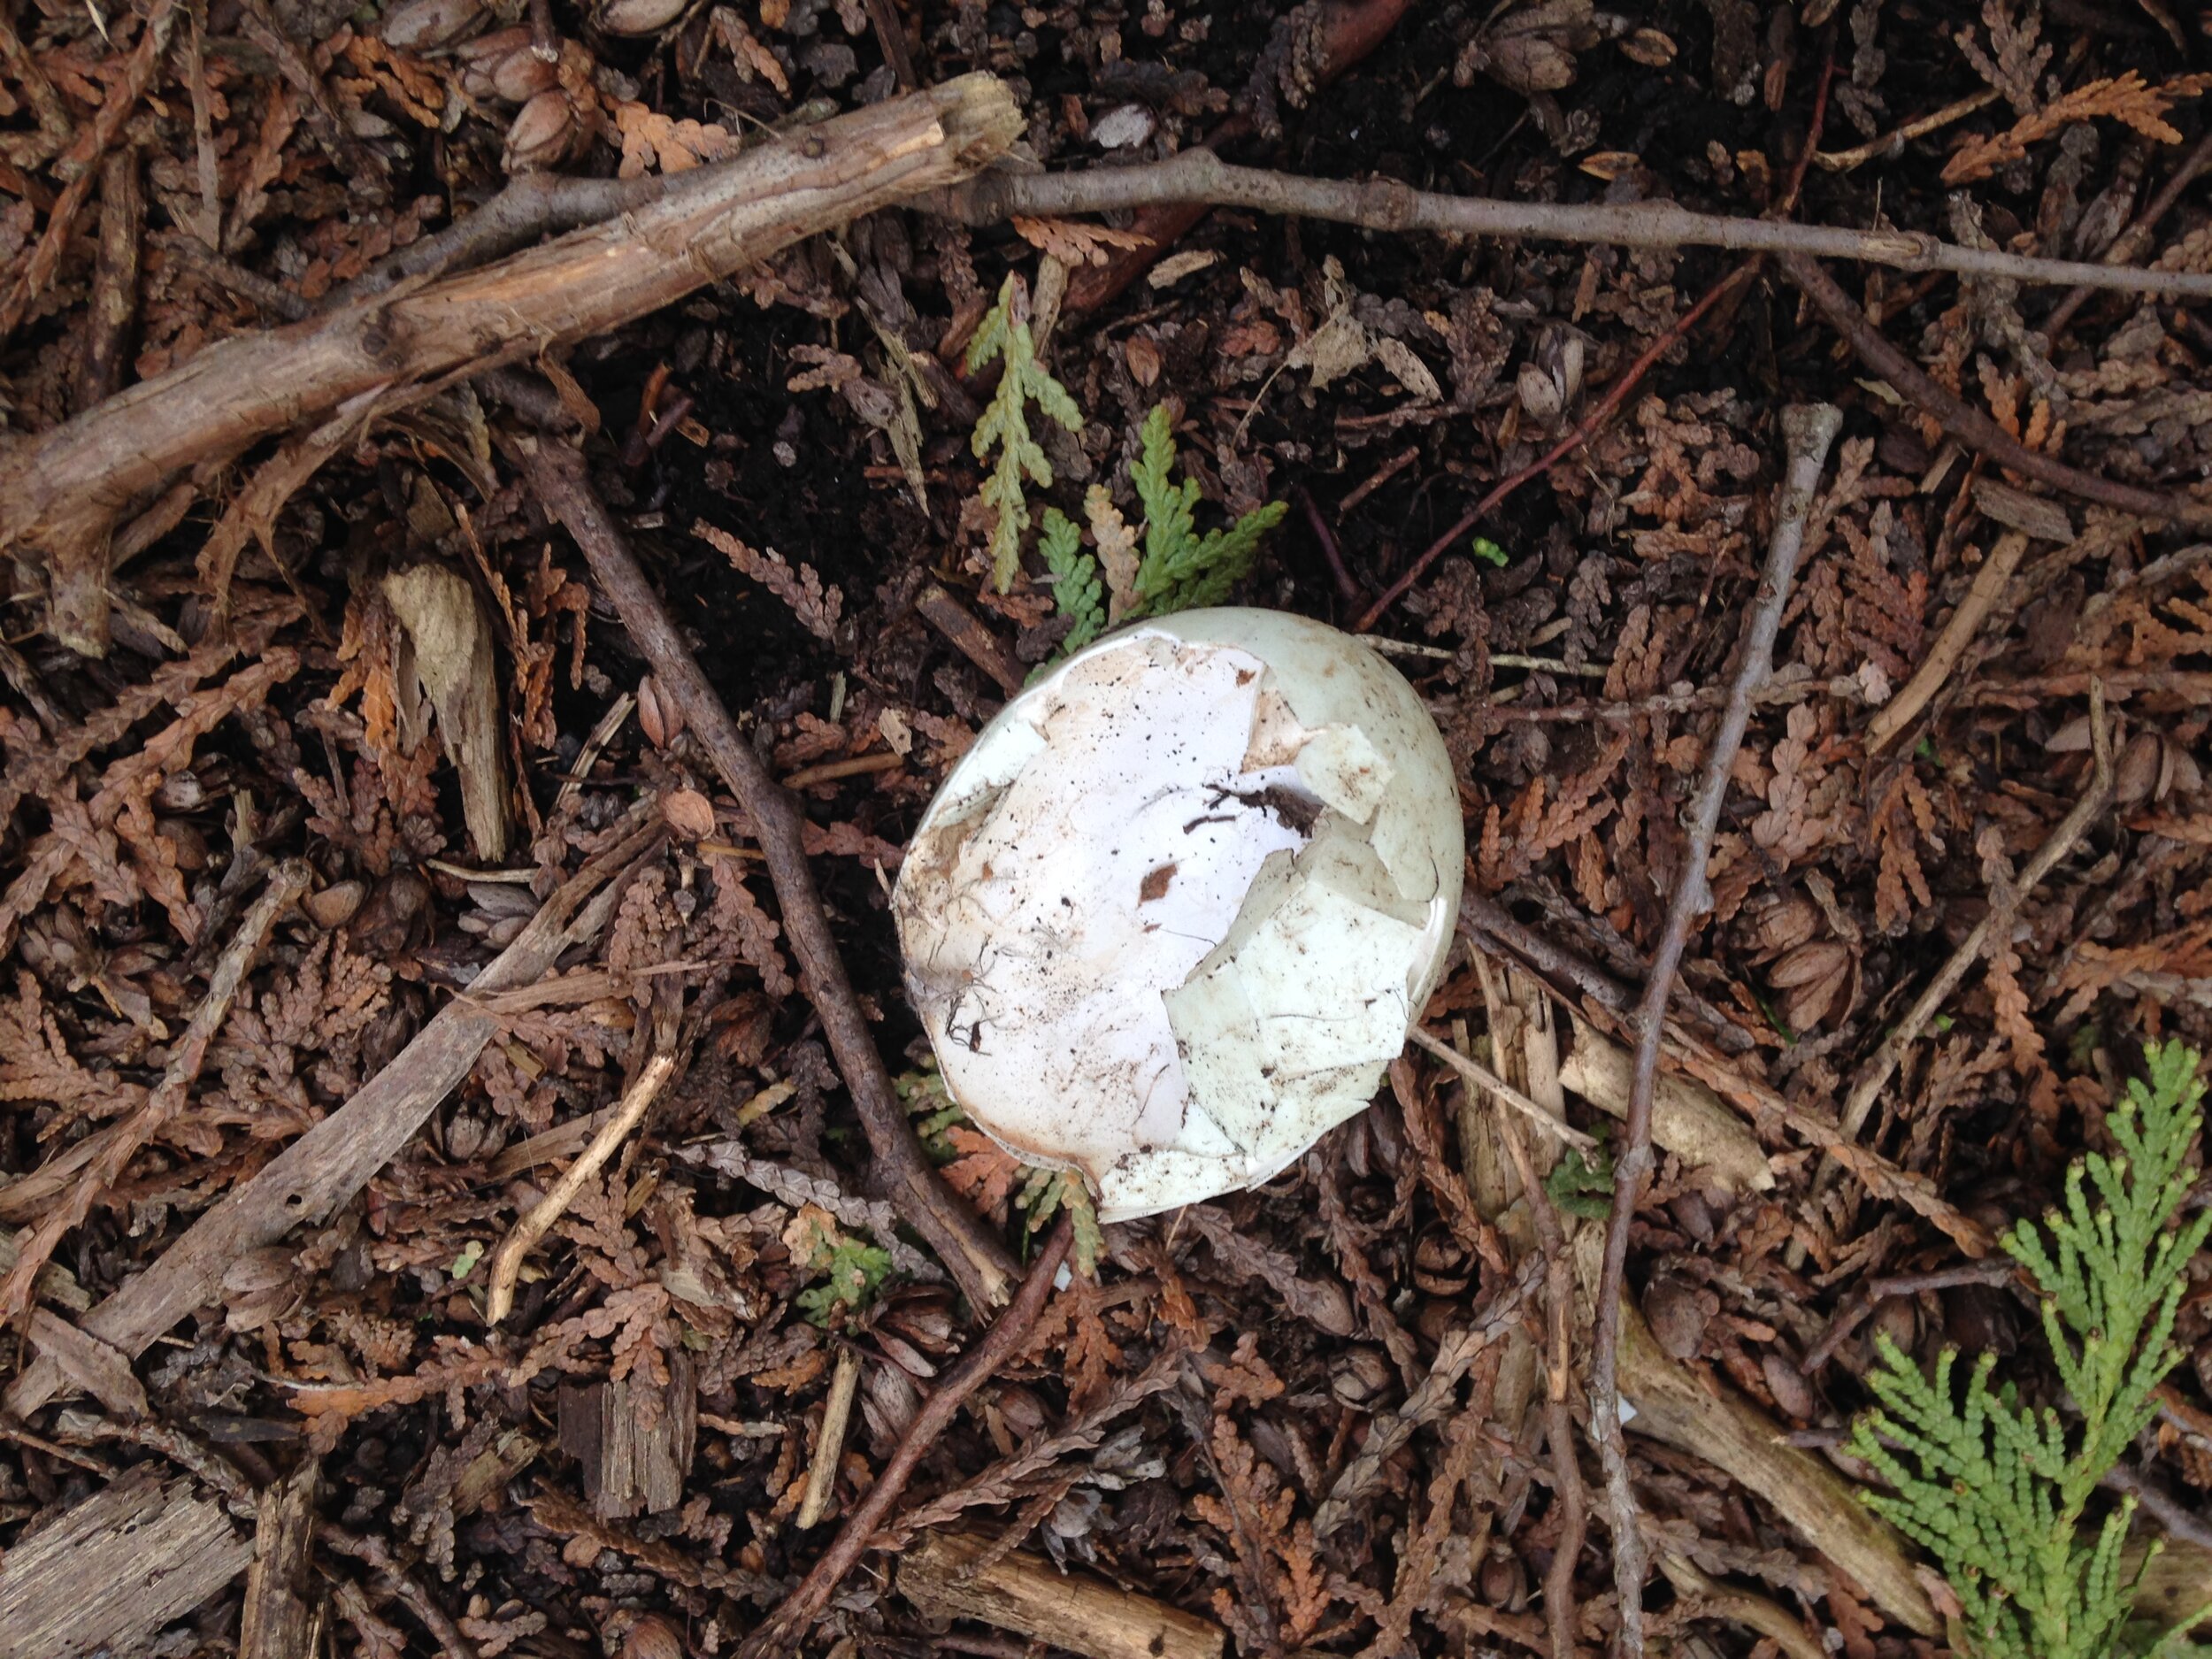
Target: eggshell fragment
<point x="1171" y="915"/>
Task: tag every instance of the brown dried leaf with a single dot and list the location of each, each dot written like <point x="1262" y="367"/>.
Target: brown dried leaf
<point x="2126" y="98"/>
<point x="1073" y="243"/>
<point x="817" y="607"/>
<point x="652" y="140"/>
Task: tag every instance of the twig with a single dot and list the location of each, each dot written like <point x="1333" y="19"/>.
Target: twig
<point x="1809" y="431"/>
<point x="1001" y="1482"/>
<point x="1386" y="205"/>
<point x="969" y="637"/>
<point x="796" y="1187"/>
<point x="62" y="491"/>
<point x="326" y="1166"/>
<point x="2131" y="243"/>
<point x="1346" y="589"/>
<point x="1848" y="689"/>
<point x="971" y="1253"/>
<point x="1559" y="1298"/>
<point x="890" y="29"/>
<point x="499" y="1295"/>
<point x="2178" y="1519"/>
<point x="1348" y="31"/>
<point x="530" y="207"/>
<point x="829" y="1445"/>
<point x="1757" y="1613"/>
<point x="1968" y="424"/>
<point x="1599" y="413"/>
<point x="1875" y="1292"/>
<point x="375" y="1552"/>
<point x="1920" y="126"/>
<point x="168" y="1097"/>
<point x="1996" y="923"/>
<point x="1484" y="1077"/>
<point x="782" y="1628"/>
<point x="1988" y="587"/>
<point x="114" y="302"/>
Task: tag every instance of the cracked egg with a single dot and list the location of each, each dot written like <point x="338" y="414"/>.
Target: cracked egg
<point x="1173" y="912"/>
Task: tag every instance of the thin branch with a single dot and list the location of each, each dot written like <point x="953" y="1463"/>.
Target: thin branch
<point x="1942" y="660"/>
<point x="1809" y="431"/>
<point x="534" y="206"/>
<point x="1845" y="689"/>
<point x="2131" y="243"/>
<point x="1483" y="1078"/>
<point x="780" y="1632"/>
<point x="499" y="1297"/>
<point x="1384" y="204"/>
<point x="1601" y="411"/>
<point x="974" y="1256"/>
<point x="1995" y="923"/>
<point x="1968" y="424"/>
<point x="1875" y="1292"/>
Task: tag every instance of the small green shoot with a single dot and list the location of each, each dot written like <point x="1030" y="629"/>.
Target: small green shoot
<point x="851" y="1270"/>
<point x="1999" y="1492"/>
<point x="1489" y="551"/>
<point x="1182" y="570"/>
<point x="464" y="1264"/>
<point x="1004" y="334"/>
<point x="1076" y="589"/>
<point x="1042" y="1191"/>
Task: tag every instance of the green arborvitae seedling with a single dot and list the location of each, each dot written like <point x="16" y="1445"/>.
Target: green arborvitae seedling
<point x="1996" y="1491"/>
<point x="1182" y="570"/>
<point x="1004" y="334"/>
<point x="1075" y="590"/>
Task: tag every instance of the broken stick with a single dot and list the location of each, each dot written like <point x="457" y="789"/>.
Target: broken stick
<point x="333" y="1160"/>
<point x="948" y="1575"/>
<point x="62" y="493"/>
<point x="499" y="1297"/>
<point x="974" y="1256"/>
<point x="1809" y="430"/>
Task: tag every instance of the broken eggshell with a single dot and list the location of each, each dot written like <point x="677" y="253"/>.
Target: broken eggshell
<point x="1173" y="912"/>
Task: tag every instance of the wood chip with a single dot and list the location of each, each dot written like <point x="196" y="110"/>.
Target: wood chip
<point x="631" y="1465"/>
<point x="115" y="1569"/>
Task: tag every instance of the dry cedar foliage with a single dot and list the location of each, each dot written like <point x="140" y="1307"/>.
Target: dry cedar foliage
<point x="817" y="607"/>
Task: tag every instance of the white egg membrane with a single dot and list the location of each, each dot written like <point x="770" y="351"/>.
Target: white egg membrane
<point x="1163" y="929"/>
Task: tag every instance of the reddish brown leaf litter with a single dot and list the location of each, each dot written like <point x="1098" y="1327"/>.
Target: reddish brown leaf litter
<point x="499" y="574"/>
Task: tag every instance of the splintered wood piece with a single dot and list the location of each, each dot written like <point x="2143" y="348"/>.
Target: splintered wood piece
<point x="115" y="1569"/>
<point x="1027" y="1594"/>
<point x="279" y="1621"/>
<point x="630" y="1465"/>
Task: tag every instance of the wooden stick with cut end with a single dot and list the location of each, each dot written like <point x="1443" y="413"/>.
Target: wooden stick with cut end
<point x="829" y="1445"/>
<point x="1030" y="1596"/>
<point x="499" y="1296"/>
<point x="1950" y="645"/>
<point x="973" y="1255"/>
<point x="1810" y="431"/>
<point x="62" y="492"/>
